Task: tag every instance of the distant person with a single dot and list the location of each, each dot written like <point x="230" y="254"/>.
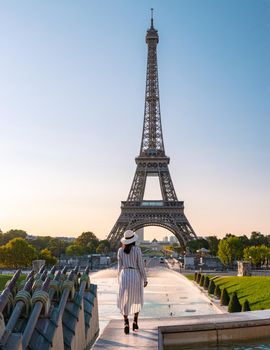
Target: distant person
<point x="132" y="278"/>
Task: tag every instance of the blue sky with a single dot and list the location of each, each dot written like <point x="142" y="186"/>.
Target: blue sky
<point x="71" y="111"/>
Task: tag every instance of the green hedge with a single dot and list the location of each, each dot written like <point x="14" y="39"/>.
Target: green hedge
<point x="206" y="282"/>
<point x="211" y="287"/>
<point x="245" y="306"/>
<point x="234" y="304"/>
<point x="224" y="299"/>
<point x="217" y="292"/>
<point x="202" y="281"/>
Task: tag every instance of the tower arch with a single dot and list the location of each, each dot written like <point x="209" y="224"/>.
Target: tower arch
<point x="168" y="227"/>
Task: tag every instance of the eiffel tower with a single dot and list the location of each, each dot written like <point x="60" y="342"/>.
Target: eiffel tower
<point x="152" y="161"/>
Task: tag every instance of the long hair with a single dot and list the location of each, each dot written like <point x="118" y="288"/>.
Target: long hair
<point x="127" y="247"/>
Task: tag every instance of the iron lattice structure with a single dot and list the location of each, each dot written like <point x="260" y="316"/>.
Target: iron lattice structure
<point x="152" y="161"/>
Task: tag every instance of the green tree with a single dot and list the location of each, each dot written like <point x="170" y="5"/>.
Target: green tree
<point x="257" y="255"/>
<point x="236" y="247"/>
<point x="257" y="238"/>
<point x="9" y="235"/>
<point x="103" y="247"/>
<point x="91" y="247"/>
<point x="244" y="241"/>
<point x="3" y="256"/>
<point x="199" y="243"/>
<point x="178" y="248"/>
<point x="234" y="305"/>
<point x="57" y="246"/>
<point x="224" y="251"/>
<point x="85" y="238"/>
<point x="228" y="235"/>
<point x="229" y="250"/>
<point x="213" y="245"/>
<point x="46" y="254"/>
<point x="17" y="253"/>
<point x="264" y="253"/>
<point x="41" y="242"/>
<point x="74" y="250"/>
<point x="251" y="254"/>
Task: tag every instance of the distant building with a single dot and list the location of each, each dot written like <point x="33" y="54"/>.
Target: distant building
<point x="211" y="263"/>
<point x="154" y="245"/>
<point x="140" y="234"/>
<point x="189" y="262"/>
<point x="94" y="261"/>
<point x="165" y="239"/>
<point x="194" y="261"/>
<point x="173" y="239"/>
<point x="31" y="237"/>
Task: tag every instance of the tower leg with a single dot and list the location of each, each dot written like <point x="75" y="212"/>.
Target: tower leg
<point x="117" y="232"/>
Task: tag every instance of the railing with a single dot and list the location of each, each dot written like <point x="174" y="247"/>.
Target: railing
<point x="51" y="311"/>
<point x="153" y="203"/>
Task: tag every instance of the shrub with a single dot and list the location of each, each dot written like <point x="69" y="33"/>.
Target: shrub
<point x="195" y="276"/>
<point x="202" y="281"/>
<point x="234" y="305"/>
<point x="245" y="306"/>
<point x="198" y="278"/>
<point x="224" y="299"/>
<point x="206" y="282"/>
<point x="217" y="292"/>
<point x="211" y="287"/>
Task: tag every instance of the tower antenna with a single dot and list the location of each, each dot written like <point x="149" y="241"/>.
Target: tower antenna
<point x="152" y="19"/>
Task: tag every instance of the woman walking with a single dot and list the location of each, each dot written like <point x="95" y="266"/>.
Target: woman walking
<point x="132" y="279"/>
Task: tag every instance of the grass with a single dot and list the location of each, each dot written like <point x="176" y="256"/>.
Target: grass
<point x="5" y="278"/>
<point x="256" y="289"/>
<point x="190" y="276"/>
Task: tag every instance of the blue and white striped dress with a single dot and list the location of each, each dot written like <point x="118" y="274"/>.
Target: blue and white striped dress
<point x="130" y="297"/>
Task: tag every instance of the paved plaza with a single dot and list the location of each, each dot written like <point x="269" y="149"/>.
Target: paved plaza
<point x="168" y="294"/>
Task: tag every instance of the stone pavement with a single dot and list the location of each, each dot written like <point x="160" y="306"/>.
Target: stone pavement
<point x="236" y="327"/>
<point x="167" y="296"/>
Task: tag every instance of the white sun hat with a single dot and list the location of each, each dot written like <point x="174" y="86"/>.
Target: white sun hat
<point x="129" y="237"/>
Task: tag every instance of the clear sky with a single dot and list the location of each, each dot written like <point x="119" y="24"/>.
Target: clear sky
<point x="72" y="81"/>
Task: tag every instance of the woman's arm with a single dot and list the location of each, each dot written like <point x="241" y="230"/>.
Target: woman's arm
<point x="120" y="263"/>
<point x="141" y="267"/>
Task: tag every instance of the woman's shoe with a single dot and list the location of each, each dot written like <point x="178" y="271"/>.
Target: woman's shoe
<point x="126" y="327"/>
<point x="135" y="326"/>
